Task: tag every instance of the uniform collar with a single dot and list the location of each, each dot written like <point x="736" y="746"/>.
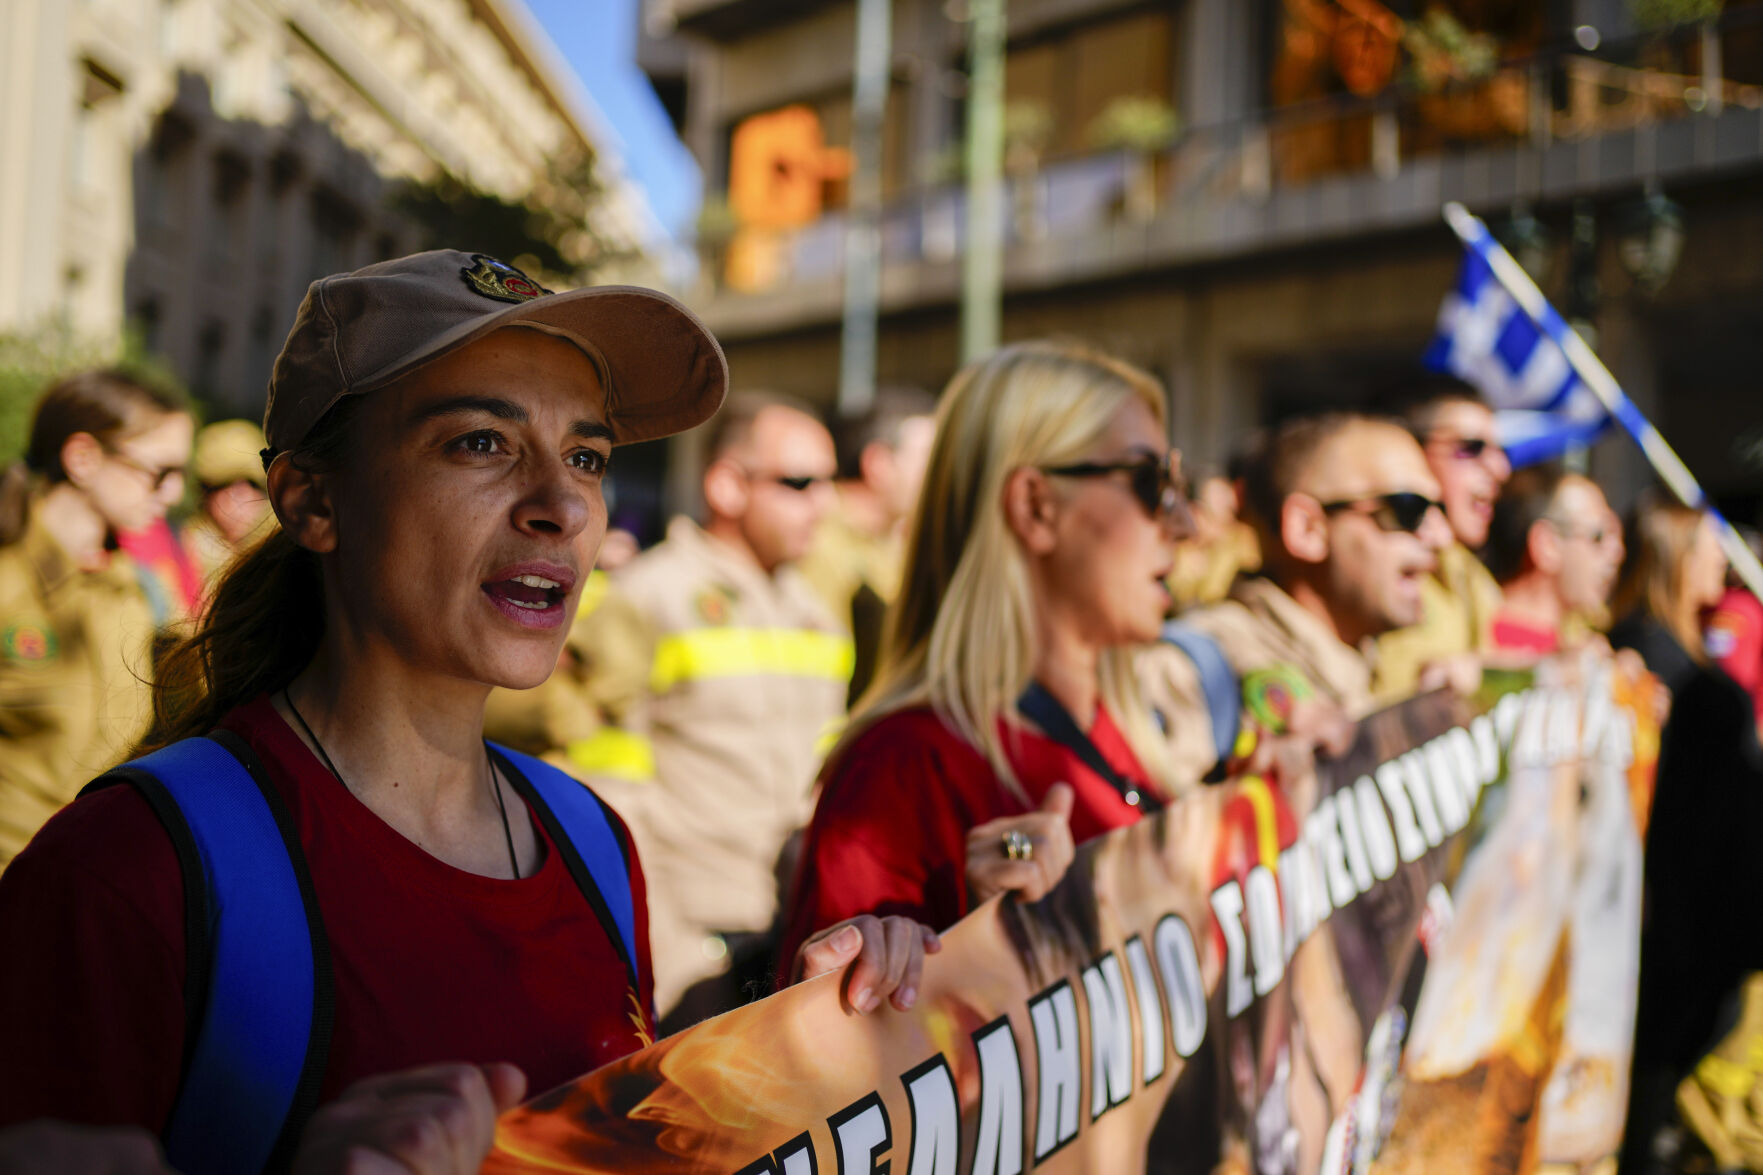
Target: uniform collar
<point x="731" y="564"/>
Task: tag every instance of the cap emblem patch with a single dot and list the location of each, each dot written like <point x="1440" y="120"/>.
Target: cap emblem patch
<point x="500" y="280"/>
<point x="28" y="643"/>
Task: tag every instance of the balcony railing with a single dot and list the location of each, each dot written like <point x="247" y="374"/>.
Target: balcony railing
<point x="1523" y="110"/>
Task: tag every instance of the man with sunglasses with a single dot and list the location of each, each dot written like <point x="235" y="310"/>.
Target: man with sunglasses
<point x="1555" y="548"/>
<point x="1455" y="429"/>
<point x="739" y="673"/>
<point x="1350" y="524"/>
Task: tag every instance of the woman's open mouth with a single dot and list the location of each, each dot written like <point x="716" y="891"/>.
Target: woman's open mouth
<point x="528" y="598"/>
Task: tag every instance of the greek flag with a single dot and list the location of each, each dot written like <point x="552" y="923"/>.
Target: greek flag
<point x="1542" y="407"/>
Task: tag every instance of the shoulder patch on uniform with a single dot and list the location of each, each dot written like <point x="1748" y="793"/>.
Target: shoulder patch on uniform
<point x="500" y="280"/>
<point x="1271" y="694"/>
<point x="713" y="604"/>
<point x="28" y="643"/>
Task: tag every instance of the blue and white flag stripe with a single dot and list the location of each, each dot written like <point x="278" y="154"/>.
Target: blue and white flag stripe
<point x="1485" y="253"/>
<point x="1486" y="338"/>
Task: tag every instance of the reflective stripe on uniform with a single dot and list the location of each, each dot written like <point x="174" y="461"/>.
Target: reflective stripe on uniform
<point x="750" y="652"/>
<point x="594" y="590"/>
<point x="1260" y="798"/>
<point x="614" y="754"/>
<point x="829" y="736"/>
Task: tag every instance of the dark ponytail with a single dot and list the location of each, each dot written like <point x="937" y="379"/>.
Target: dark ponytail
<point x="109" y="404"/>
<point x="262" y="625"/>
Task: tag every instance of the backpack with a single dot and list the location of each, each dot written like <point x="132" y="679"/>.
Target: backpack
<point x="259" y="1001"/>
<point x="1218" y="684"/>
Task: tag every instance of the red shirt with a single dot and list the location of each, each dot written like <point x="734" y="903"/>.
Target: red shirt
<point x="1513" y="635"/>
<point x="1735" y="640"/>
<point x="431" y="963"/>
<point x="168" y="573"/>
<point x="889" y="835"/>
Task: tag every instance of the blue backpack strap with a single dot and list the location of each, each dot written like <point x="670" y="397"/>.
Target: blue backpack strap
<point x="579" y="825"/>
<point x="1218" y="683"/>
<point x="258" y="993"/>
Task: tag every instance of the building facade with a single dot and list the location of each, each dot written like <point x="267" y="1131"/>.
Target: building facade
<point x="188" y="167"/>
<point x="1282" y="248"/>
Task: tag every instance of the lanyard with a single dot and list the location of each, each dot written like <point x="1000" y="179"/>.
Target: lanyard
<point x="1040" y="705"/>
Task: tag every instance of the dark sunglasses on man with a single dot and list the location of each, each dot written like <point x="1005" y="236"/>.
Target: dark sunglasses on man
<point x="1392" y="512"/>
<point x="1464" y="448"/>
<point x="1155" y="481"/>
<point x="801" y="483"/>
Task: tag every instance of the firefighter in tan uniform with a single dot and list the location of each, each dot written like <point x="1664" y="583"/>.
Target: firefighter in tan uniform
<point x="746" y="671"/>
<point x="1350" y="526"/>
<point x="1459" y="600"/>
<point x="76" y="630"/>
<point x="233" y="513"/>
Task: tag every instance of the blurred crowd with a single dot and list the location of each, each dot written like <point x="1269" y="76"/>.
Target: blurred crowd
<point x="749" y="694"/>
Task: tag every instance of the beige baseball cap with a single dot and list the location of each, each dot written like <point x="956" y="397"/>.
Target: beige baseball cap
<point x="356" y="332"/>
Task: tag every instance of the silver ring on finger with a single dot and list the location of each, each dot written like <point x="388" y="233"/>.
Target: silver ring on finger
<point x="1018" y="845"/>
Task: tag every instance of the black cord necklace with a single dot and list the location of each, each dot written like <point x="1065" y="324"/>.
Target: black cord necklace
<point x="501" y="804"/>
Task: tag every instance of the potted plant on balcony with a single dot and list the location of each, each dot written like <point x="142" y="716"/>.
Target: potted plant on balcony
<point x="1144" y="126"/>
<point x="1659" y="14"/>
<point x="1462" y="93"/>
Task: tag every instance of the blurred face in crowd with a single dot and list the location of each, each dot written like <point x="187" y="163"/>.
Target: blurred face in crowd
<point x="1704" y="573"/>
<point x="776" y="486"/>
<point x="136" y="478"/>
<point x="1466" y="458"/>
<point x="237" y="510"/>
<point x="1214" y="509"/>
<point x="460" y="527"/>
<point x="1101" y="554"/>
<point x="1589" y="550"/>
<point x="896" y="472"/>
<point x="1366" y="518"/>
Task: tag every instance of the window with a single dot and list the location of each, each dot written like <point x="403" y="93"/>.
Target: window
<point x="87" y="144"/>
<point x="1074" y="74"/>
<point x="210" y="351"/>
<point x="335" y="226"/>
<point x="146" y="320"/>
<point x="163" y="174"/>
<point x="230" y="194"/>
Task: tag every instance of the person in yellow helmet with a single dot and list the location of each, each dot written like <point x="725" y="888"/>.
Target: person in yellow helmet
<point x="228" y="468"/>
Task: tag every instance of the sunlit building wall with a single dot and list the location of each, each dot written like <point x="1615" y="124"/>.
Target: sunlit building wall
<point x="187" y="167"/>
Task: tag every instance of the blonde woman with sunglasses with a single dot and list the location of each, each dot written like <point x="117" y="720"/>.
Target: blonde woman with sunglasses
<point x="1004" y="722"/>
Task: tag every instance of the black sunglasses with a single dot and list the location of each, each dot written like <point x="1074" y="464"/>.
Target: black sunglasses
<point x="1464" y="448"/>
<point x="1155" y="481"/>
<point x="801" y="483"/>
<point x="1392" y="512"/>
<point x="157" y="475"/>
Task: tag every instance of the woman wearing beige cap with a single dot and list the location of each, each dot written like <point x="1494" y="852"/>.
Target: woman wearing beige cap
<point x="427" y="906"/>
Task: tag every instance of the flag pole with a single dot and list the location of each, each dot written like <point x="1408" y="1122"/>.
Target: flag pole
<point x="1664" y="459"/>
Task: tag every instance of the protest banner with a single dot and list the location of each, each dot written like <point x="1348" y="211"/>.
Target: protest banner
<point x="1224" y="986"/>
